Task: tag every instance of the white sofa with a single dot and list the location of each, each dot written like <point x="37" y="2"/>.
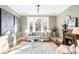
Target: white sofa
<point x="63" y="49"/>
<point x="3" y="43"/>
<point x="38" y="35"/>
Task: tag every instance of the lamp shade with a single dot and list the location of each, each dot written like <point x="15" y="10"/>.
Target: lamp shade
<point x="75" y="30"/>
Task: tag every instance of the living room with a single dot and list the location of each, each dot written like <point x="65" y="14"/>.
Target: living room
<point x="39" y="26"/>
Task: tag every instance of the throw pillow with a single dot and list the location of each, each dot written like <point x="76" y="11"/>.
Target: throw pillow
<point x="72" y="49"/>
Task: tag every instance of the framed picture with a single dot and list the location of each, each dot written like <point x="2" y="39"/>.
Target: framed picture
<point x="67" y="18"/>
<point x="72" y="23"/>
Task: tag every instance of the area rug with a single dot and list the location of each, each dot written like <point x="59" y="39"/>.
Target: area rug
<point x="35" y="48"/>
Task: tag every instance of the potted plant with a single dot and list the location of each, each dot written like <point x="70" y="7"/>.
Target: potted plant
<point x="54" y="31"/>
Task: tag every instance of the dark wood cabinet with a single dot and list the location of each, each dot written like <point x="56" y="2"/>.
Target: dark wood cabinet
<point x="6" y="22"/>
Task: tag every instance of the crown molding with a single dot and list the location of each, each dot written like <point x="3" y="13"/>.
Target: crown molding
<point x="63" y="10"/>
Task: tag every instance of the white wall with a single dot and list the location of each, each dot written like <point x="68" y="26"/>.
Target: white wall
<point x="52" y="21"/>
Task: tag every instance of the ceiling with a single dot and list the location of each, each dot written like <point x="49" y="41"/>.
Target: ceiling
<point x="24" y="10"/>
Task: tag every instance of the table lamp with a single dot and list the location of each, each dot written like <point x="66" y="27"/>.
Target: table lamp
<point x="75" y="31"/>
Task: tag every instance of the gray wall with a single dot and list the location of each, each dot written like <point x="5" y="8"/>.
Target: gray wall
<point x="52" y="23"/>
<point x="73" y="11"/>
<point x="23" y="25"/>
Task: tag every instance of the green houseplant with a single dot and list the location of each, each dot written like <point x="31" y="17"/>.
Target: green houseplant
<point x="54" y="31"/>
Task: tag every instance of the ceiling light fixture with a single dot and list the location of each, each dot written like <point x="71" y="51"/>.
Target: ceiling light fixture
<point x="38" y="8"/>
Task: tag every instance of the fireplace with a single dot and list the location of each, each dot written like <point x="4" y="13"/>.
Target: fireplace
<point x="69" y="40"/>
<point x="68" y="37"/>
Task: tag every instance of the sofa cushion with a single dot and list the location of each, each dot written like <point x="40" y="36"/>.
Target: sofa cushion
<point x="62" y="49"/>
<point x="77" y="49"/>
<point x="72" y="49"/>
<point x="30" y="34"/>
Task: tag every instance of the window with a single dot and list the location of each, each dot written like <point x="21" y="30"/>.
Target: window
<point x="36" y="24"/>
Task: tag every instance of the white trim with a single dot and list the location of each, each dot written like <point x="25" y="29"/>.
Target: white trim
<point x="63" y="9"/>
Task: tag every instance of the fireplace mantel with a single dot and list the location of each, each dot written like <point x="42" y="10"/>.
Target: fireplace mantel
<point x="68" y="32"/>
